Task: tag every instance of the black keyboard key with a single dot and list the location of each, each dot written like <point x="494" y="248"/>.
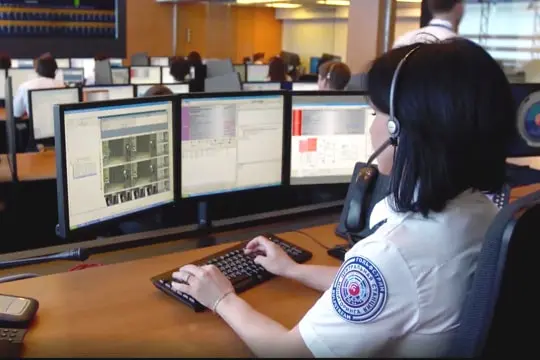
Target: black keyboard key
<point x="239" y="268"/>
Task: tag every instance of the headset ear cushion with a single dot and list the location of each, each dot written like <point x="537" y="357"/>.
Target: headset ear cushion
<point x="393" y="128"/>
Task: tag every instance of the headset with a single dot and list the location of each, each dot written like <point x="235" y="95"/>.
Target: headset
<point x="361" y="196"/>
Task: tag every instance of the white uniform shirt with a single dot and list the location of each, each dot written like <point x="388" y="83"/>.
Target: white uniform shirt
<point x="20" y="101"/>
<point x="436" y="30"/>
<point x="399" y="292"/>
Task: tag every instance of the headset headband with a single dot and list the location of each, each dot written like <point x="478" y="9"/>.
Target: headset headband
<point x="393" y="122"/>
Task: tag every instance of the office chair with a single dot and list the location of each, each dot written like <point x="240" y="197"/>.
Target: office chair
<point x="494" y="316"/>
<point x="358" y="82"/>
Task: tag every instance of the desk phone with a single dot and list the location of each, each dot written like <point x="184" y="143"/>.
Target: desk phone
<point x="16" y="313"/>
<point x="500" y="199"/>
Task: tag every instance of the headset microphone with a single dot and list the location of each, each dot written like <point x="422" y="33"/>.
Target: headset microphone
<point x="364" y="182"/>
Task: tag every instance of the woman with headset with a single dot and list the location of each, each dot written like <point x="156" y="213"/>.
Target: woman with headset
<point x="443" y="119"/>
<point x="333" y="75"/>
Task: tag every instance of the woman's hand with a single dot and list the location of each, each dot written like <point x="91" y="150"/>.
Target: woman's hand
<point x="270" y="256"/>
<point x="206" y="284"/>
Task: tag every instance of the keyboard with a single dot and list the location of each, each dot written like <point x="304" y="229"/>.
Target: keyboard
<point x="239" y="268"/>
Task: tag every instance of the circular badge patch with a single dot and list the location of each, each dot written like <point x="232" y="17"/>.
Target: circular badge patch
<point x="359" y="292"/>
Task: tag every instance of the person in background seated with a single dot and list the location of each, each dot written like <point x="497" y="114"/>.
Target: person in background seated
<point x="46" y="69"/>
<point x="334" y="75"/>
<point x="158" y="90"/>
<point x="277" y="70"/>
<point x="194" y="58"/>
<point x="447" y="15"/>
<point x="180" y="69"/>
<point x="258" y="58"/>
<point x="5" y="62"/>
<point x="399" y="292"/>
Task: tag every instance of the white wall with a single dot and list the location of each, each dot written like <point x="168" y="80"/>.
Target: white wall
<point x="311" y="32"/>
<point x="313" y="37"/>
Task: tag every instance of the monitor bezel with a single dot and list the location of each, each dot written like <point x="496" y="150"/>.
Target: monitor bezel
<point x="145" y="66"/>
<point x="47" y="141"/>
<point x="262" y="83"/>
<point x="74" y="68"/>
<point x="293" y="94"/>
<point x="106" y="86"/>
<point x="157" y="84"/>
<point x="63" y="228"/>
<point x="285" y="161"/>
<point x="122" y="68"/>
<point x="247" y="71"/>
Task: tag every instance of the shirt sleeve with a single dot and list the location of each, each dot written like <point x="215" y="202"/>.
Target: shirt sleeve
<point x="20" y="101"/>
<point x="372" y="301"/>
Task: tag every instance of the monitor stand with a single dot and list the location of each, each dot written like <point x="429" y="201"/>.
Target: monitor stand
<point x="204" y="226"/>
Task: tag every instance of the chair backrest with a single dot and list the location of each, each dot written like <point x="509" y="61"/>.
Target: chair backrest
<point x="358" y="82"/>
<point x="495" y="313"/>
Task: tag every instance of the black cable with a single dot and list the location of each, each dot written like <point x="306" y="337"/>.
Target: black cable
<point x="312" y="238"/>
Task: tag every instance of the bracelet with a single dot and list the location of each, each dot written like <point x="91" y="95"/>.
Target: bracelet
<point x="220" y="299"/>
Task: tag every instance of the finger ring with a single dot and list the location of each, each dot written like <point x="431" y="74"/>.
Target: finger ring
<point x="187" y="278"/>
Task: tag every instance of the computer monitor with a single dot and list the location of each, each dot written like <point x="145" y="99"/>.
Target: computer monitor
<point x="145" y="75"/>
<point x="159" y="61"/>
<point x="314" y="65"/>
<point x="19" y="76"/>
<point x="70" y="75"/>
<point x="41" y="105"/>
<point x="261" y="86"/>
<point x="63" y="63"/>
<point x="215" y="67"/>
<point x="120" y="75"/>
<point x="330" y="134"/>
<point x="11" y="131"/>
<point x="112" y="92"/>
<point x="257" y="72"/>
<point x="301" y="86"/>
<point x="3" y="76"/>
<point x="87" y="64"/>
<point x="103" y="73"/>
<point x="175" y="88"/>
<point x="231" y="142"/>
<point x="116" y="63"/>
<point x="225" y="83"/>
<point x="241" y="69"/>
<point x="114" y="159"/>
<point x="22" y="63"/>
<point x="166" y="77"/>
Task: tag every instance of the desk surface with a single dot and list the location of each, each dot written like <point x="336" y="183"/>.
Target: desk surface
<point x="115" y="310"/>
<point x="31" y="166"/>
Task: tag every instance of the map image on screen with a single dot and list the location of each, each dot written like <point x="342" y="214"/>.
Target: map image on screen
<point x="58" y="18"/>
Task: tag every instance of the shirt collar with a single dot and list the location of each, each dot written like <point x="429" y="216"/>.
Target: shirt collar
<point x="442" y="23"/>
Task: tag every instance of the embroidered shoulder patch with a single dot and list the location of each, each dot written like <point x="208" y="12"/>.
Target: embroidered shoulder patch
<point x="359" y="292"/>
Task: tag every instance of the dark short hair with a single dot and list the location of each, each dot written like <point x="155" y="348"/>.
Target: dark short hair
<point x="456" y="112"/>
<point x="180" y="68"/>
<point x="442" y="6"/>
<point x="101" y="57"/>
<point x="194" y="58"/>
<point x="258" y="56"/>
<point x="277" y="70"/>
<point x="158" y="90"/>
<point x="5" y="62"/>
<point x="46" y="66"/>
<point x="337" y="73"/>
